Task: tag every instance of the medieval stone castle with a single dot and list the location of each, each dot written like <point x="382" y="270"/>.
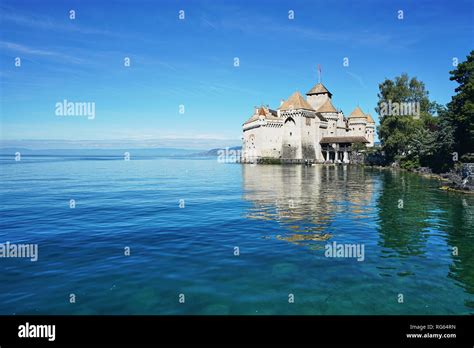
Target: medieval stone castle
<point x="307" y="130"/>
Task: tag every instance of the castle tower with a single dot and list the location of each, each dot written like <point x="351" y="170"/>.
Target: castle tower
<point x="329" y="112"/>
<point x="298" y="137"/>
<point x="357" y="122"/>
<point x="318" y="95"/>
<point x="370" y="131"/>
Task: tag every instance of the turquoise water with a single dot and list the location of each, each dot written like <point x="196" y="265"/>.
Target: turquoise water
<point x="280" y="218"/>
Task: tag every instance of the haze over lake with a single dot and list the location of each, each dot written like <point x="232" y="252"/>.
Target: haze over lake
<point x="281" y="218"/>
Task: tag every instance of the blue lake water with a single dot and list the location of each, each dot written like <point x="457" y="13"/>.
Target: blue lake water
<point x="279" y="217"/>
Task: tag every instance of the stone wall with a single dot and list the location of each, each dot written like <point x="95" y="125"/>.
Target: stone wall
<point x="359" y="125"/>
<point x="271" y="140"/>
<point x="308" y="134"/>
<point x="291" y="138"/>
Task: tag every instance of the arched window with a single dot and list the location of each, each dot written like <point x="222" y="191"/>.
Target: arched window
<point x="290" y="119"/>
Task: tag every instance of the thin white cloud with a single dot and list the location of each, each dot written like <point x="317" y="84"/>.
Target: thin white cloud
<point x="208" y="23"/>
<point x="47" y="24"/>
<point x="24" y="49"/>
<point x="27" y="50"/>
<point x="357" y="78"/>
<point x="266" y="25"/>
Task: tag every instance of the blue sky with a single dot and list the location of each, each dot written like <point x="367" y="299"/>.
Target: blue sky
<point x="190" y="62"/>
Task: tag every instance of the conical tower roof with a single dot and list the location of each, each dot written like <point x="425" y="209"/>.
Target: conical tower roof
<point x="319" y="89"/>
<point x="261" y="111"/>
<point x="327" y="107"/>
<point x="370" y="119"/>
<point x="357" y="113"/>
<point x="296" y="101"/>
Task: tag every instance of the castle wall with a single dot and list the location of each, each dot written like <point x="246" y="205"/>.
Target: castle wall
<point x="308" y="134"/>
<point x="370" y="134"/>
<point x="320" y="131"/>
<point x="332" y="123"/>
<point x="357" y="126"/>
<point x="291" y="144"/>
<point x="250" y="145"/>
<point x="271" y="140"/>
<point x="341" y="130"/>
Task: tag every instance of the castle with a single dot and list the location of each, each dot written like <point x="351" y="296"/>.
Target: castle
<point x="307" y="130"/>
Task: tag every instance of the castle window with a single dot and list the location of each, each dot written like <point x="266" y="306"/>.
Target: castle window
<point x="308" y="121"/>
<point x="291" y="134"/>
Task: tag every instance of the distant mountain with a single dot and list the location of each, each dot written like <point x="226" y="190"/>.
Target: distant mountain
<point x="215" y="152"/>
<point x="148" y="152"/>
<point x="158" y="152"/>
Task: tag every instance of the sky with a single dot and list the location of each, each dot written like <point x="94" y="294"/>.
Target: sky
<point x="188" y="65"/>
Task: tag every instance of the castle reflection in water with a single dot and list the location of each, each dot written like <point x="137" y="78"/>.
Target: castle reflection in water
<point x="306" y="201"/>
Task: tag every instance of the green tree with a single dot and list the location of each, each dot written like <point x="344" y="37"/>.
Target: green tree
<point x="441" y="157"/>
<point x="460" y="113"/>
<point x="358" y="147"/>
<point x="397" y="132"/>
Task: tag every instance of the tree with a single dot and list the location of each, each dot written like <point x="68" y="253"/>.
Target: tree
<point x="396" y="131"/>
<point x="441" y="159"/>
<point x="430" y="139"/>
<point x="358" y="147"/>
<point x="460" y="113"/>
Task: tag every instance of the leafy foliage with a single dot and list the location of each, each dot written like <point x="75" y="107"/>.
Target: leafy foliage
<point x="461" y="108"/>
<point x="402" y="136"/>
<point x="359" y="147"/>
<point x="430" y="139"/>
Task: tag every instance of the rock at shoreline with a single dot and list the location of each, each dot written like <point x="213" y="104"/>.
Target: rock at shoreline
<point x="462" y="178"/>
<point x="424" y="170"/>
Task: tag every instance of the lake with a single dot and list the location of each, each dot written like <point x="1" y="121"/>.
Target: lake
<point x="195" y="236"/>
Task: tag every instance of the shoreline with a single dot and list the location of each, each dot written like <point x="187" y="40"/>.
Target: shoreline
<point x="439" y="177"/>
<point x="434" y="176"/>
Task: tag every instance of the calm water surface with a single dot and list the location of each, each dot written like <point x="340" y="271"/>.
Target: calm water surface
<point x="280" y="218"/>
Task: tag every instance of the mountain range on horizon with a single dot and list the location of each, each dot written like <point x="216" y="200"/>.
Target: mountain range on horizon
<point x="119" y="152"/>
